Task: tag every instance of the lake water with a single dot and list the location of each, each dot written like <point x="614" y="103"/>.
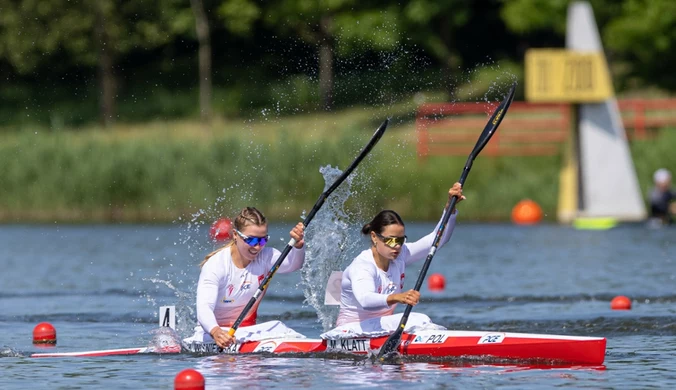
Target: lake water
<point x="101" y="287"/>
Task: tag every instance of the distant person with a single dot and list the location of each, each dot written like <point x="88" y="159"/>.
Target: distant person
<point x="662" y="197"/>
<point x="231" y="275"/>
<point x="373" y="284"/>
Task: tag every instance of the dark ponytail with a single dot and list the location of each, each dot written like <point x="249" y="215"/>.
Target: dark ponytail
<point x="380" y="221"/>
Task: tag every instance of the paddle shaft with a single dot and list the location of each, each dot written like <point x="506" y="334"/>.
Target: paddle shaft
<point x="392" y="342"/>
<point x="322" y="198"/>
<point x="435" y="243"/>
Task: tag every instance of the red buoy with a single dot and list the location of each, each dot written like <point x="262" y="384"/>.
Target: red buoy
<point x="620" y="302"/>
<point x="220" y="230"/>
<point x="189" y="379"/>
<point x="436" y="282"/>
<point x="44" y="333"/>
<point x="526" y="212"/>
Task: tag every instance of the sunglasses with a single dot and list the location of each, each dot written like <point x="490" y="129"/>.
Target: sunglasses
<point x="392" y="242"/>
<point x="253" y="241"/>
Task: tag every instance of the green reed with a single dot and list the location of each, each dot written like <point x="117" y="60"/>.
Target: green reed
<point x="173" y="171"/>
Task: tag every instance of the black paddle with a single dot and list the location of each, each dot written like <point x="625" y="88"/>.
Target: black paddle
<point x="261" y="289"/>
<point x="392" y="342"/>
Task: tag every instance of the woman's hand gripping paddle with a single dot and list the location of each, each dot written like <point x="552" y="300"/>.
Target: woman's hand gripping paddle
<point x="392" y="342"/>
<point x="264" y="284"/>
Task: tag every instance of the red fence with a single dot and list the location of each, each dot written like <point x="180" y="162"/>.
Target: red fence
<point x="645" y="116"/>
<point x="529" y="129"/>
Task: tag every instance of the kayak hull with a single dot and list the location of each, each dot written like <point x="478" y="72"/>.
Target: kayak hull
<point x="440" y="344"/>
<point x="491" y="346"/>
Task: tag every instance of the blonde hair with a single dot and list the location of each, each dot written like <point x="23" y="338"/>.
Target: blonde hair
<point x="248" y="216"/>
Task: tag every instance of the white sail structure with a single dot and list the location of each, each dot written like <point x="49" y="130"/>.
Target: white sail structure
<point x="607" y="186"/>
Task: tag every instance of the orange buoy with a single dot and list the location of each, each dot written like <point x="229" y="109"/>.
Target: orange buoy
<point x="189" y="379"/>
<point x="436" y="282"/>
<point x="44" y="333"/>
<point x="220" y="230"/>
<point x="526" y="212"/>
<point x="620" y="302"/>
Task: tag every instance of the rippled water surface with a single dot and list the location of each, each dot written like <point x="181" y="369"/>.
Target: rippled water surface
<point x="101" y="287"/>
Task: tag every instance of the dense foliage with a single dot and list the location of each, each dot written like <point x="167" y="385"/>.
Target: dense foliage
<point x="68" y="63"/>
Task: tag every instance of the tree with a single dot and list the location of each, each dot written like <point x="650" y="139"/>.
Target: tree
<point x="644" y="35"/>
<point x="204" y="39"/>
<point x="333" y="27"/>
<point x="90" y="32"/>
<point x="435" y="25"/>
<point x="526" y="16"/>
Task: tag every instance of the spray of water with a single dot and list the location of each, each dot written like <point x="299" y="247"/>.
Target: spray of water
<point x="184" y="303"/>
<point x="333" y="240"/>
<point x="164" y="340"/>
<point x="179" y="275"/>
<point x="333" y="237"/>
<point x="6" y="351"/>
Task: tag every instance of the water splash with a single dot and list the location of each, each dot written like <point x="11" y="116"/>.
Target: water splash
<point x="486" y="82"/>
<point x="334" y="241"/>
<point x="164" y="340"/>
<point x="9" y="352"/>
<point x="185" y="311"/>
<point x="178" y="274"/>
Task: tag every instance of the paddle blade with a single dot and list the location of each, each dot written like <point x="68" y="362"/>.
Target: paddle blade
<point x="494" y="121"/>
<point x="391" y="345"/>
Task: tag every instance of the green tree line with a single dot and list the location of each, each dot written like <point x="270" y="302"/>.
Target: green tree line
<point x="72" y="62"/>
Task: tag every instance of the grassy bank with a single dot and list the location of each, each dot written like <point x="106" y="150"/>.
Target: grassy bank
<point x="169" y="170"/>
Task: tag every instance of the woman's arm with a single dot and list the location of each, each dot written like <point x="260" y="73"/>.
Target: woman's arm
<point x="296" y="258"/>
<point x="293" y="262"/>
<point x="363" y="281"/>
<point x="207" y="295"/>
<point x="418" y="250"/>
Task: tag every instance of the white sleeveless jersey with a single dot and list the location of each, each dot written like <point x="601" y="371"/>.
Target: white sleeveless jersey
<point x="365" y="287"/>
<point x="224" y="290"/>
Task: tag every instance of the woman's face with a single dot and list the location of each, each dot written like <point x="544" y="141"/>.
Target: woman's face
<point x="254" y="234"/>
<point x="391" y="251"/>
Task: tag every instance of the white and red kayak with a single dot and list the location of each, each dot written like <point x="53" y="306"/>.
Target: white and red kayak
<point x="440" y="344"/>
<point x="475" y="345"/>
<point x="516" y="347"/>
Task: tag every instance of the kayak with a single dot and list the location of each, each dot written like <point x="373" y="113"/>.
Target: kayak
<point x="426" y="344"/>
<point x="438" y="344"/>
<point x="489" y="346"/>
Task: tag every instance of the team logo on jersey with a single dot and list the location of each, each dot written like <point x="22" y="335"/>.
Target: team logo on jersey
<point x="228" y="294"/>
<point x="401" y="279"/>
<point x="245" y="285"/>
<point x="390" y="288"/>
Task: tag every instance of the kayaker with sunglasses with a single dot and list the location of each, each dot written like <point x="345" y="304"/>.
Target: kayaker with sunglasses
<point x="231" y="275"/>
<point x="372" y="285"/>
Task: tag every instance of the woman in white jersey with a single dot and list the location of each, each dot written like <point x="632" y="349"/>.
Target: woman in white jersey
<point x="372" y="285"/>
<point x="232" y="274"/>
